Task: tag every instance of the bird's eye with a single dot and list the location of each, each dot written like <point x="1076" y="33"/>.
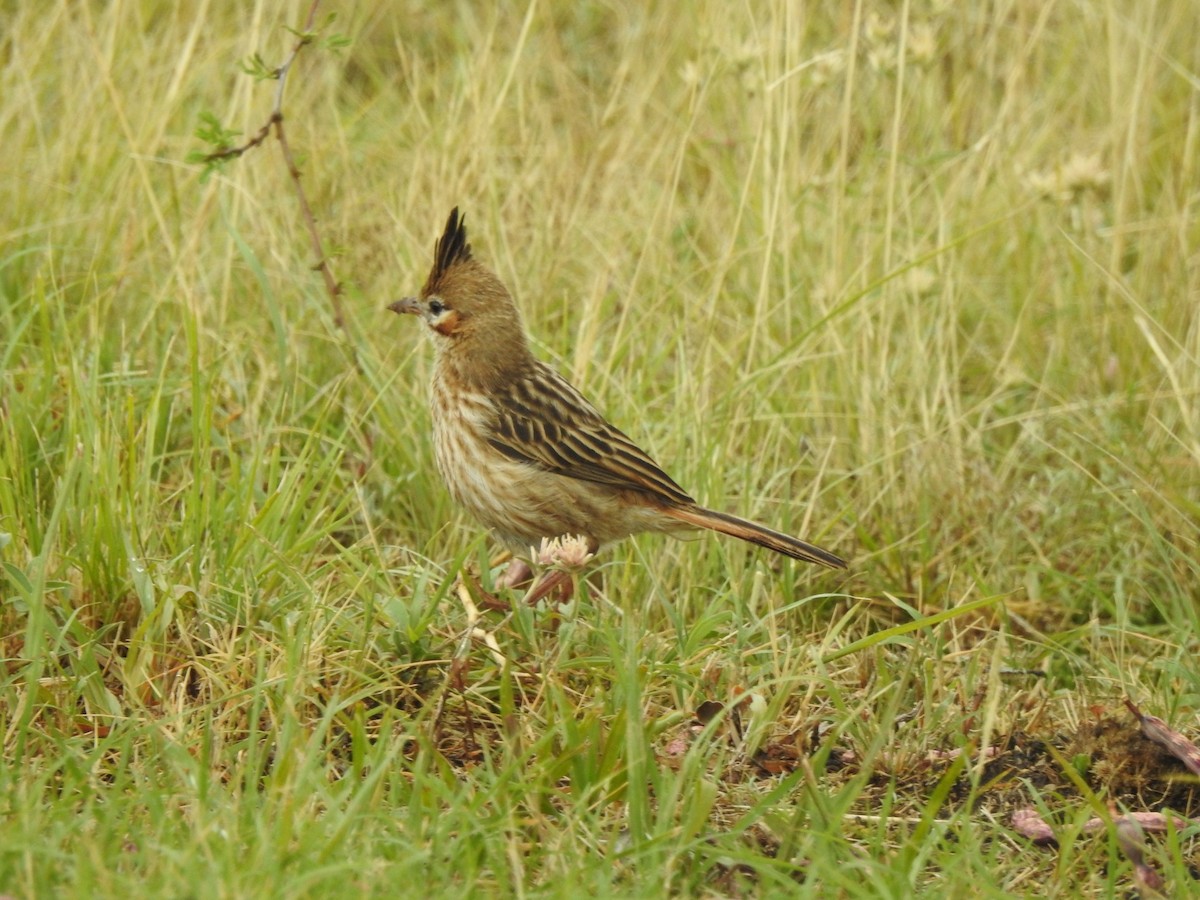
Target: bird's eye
<point x="437" y="307"/>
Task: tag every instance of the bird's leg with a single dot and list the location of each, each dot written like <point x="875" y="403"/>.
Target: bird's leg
<point x="517" y="573"/>
<point x="564" y="555"/>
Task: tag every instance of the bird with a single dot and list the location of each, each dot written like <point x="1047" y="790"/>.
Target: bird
<point x="522" y="450"/>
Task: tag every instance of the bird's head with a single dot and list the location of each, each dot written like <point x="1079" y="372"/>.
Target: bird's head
<point x="463" y="302"/>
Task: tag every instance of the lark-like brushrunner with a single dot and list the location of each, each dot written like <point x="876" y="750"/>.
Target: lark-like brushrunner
<point x="521" y="449"/>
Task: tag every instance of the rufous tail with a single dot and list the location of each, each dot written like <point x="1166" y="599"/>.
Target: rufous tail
<point x="755" y="534"/>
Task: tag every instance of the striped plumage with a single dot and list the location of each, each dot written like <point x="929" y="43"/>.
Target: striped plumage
<point x="521" y="449"/>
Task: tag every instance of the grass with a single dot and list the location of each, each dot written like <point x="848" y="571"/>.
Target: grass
<point x="920" y="285"/>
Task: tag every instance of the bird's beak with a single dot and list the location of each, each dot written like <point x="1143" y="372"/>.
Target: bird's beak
<point x="406" y="305"/>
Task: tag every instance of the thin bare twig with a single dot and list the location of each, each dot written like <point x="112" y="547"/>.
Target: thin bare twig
<point x="332" y="286"/>
<point x="280" y="74"/>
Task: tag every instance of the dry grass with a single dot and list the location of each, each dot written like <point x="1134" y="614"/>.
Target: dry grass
<point x="919" y="284"/>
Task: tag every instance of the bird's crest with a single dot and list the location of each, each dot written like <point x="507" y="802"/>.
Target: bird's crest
<point x="450" y="250"/>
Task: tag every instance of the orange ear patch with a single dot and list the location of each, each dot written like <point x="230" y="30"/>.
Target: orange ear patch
<point x="448" y="323"/>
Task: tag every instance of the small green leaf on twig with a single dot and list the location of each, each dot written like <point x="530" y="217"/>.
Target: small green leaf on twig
<point x="257" y="67"/>
<point x="219" y="138"/>
<point x="211" y="131"/>
<point x="306" y="37"/>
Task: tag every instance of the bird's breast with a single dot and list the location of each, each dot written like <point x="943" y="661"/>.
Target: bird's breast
<point x="519" y="500"/>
